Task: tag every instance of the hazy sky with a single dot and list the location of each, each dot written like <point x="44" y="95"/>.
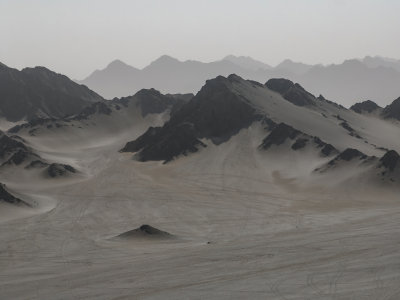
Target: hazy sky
<point x="75" y="37"/>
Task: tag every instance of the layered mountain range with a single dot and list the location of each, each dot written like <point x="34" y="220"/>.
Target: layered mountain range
<point x="354" y="80"/>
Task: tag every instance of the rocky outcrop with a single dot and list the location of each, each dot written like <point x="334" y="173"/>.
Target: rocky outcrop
<point x="279" y="135"/>
<point x="59" y="170"/>
<point x="292" y="92"/>
<point x="283" y="132"/>
<point x="392" y="111"/>
<point x="215" y="113"/>
<point x="146" y="231"/>
<point x="365" y="107"/>
<point x="390" y="160"/>
<point x="13" y="150"/>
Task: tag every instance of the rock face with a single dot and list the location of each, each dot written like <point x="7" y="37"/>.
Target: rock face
<point x="58" y="170"/>
<point x="279" y="135"/>
<point x="293" y="92"/>
<point x="348" y="155"/>
<point x="283" y="132"/>
<point x="13" y="150"/>
<point x="39" y="92"/>
<point x="392" y="111"/>
<point x="365" y="107"/>
<point x="146" y="231"/>
<point x="165" y="144"/>
<point x="390" y="160"/>
<point x="7" y="197"/>
<point x="215" y="113"/>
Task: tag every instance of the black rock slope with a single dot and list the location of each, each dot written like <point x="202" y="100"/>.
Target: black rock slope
<point x="390" y="160"/>
<point x="58" y="170"/>
<point x="365" y="107"/>
<point x="13" y="150"/>
<point x="283" y="132"/>
<point x="393" y="110"/>
<point x="39" y="92"/>
<point x="216" y="113"/>
<point x="146" y="231"/>
<point x="7" y="197"/>
<point x="292" y="92"/>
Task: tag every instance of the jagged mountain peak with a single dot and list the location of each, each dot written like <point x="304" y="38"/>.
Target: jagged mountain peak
<point x="392" y="110"/>
<point x="368" y="106"/>
<point x="119" y="65"/>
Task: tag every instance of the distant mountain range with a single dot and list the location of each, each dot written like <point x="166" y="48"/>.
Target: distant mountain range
<point x="352" y="81"/>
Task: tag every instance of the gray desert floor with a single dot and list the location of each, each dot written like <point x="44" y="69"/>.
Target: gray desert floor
<point x="242" y="229"/>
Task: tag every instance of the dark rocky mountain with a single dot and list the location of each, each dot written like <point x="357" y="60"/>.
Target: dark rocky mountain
<point x="147" y="102"/>
<point x="215" y="113"/>
<point x="367" y="106"/>
<point x="393" y="110"/>
<point x="151" y="101"/>
<point x="39" y="92"/>
<point x="293" y="92"/>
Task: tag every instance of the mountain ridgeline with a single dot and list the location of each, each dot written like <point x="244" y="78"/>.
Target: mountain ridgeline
<point x="293" y="118"/>
<point x="354" y="80"/>
<point x="40" y="93"/>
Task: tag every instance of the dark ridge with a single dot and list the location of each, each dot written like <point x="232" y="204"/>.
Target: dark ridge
<point x="279" y="135"/>
<point x="57" y="170"/>
<point x="293" y="92"/>
<point x="351" y="131"/>
<point x="19" y="157"/>
<point x="146" y="231"/>
<point x="327" y="149"/>
<point x="34" y="92"/>
<point x="390" y="160"/>
<point x="392" y="111"/>
<point x="152" y="101"/>
<point x="323" y="99"/>
<point x="164" y="144"/>
<point x="281" y="132"/>
<point x="215" y="113"/>
<point x="13" y="150"/>
<point x="365" y="106"/>
<point x="7" y="197"/>
<point x="300" y="143"/>
<point x="348" y="155"/>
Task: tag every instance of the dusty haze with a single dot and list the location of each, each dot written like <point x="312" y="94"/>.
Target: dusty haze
<point x="77" y="37"/>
